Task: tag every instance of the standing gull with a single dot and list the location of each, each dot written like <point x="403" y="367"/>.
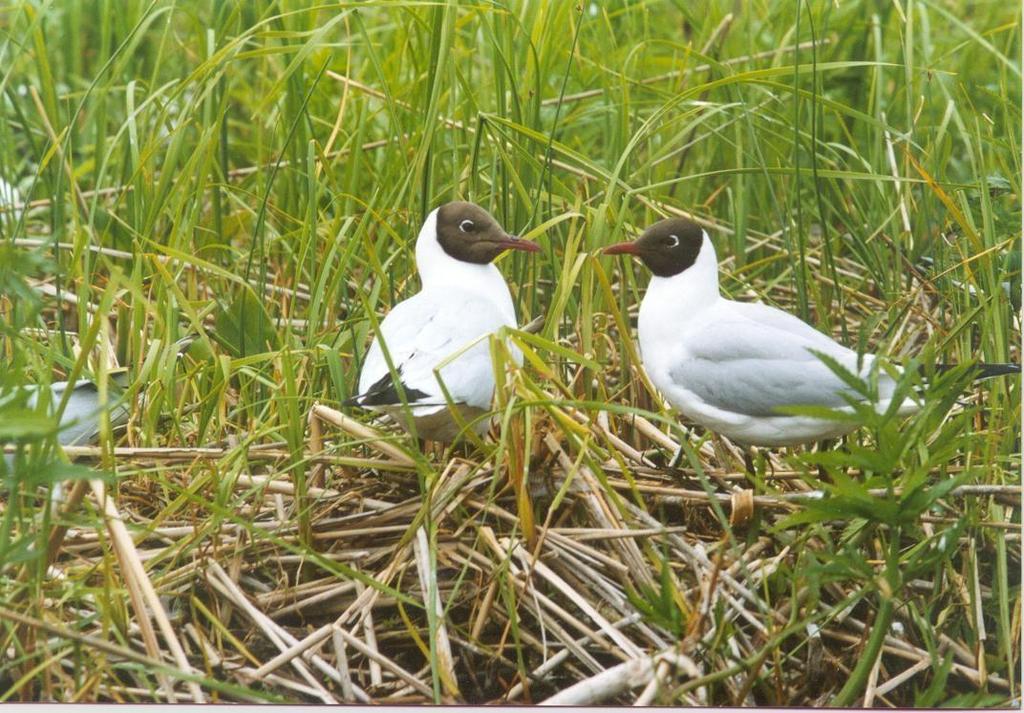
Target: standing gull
<point x="730" y="366"/>
<point x="444" y="327"/>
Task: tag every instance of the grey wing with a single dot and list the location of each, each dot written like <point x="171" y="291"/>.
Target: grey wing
<point x="754" y="367"/>
<point x="421" y="334"/>
<point x="80" y="420"/>
<point x="746" y="315"/>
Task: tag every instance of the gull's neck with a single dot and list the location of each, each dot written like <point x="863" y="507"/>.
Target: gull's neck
<point x="672" y="300"/>
<point x="440" y="270"/>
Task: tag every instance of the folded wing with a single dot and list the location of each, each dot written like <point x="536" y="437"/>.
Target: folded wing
<point x="754" y="361"/>
<point x="430" y="329"/>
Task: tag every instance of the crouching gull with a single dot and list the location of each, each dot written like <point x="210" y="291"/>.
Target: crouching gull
<point x="80" y="421"/>
<point x="730" y="366"/>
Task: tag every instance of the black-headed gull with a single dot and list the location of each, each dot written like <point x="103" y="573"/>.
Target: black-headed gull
<point x="80" y="420"/>
<point x="446" y="324"/>
<point x="729" y="366"/>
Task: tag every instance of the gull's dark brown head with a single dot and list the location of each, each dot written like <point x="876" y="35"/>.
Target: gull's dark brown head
<point x="469" y="233"/>
<point x="667" y="248"/>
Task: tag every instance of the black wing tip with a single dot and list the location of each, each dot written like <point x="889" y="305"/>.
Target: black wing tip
<point x="389" y="397"/>
<point x="985" y="371"/>
<point x="988" y="371"/>
<point x="383" y="392"/>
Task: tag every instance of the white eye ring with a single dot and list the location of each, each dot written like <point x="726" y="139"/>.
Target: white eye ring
<point x="463" y="228"/>
<point x="673" y="241"/>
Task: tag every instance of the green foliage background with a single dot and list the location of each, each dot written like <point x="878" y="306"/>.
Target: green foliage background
<point x="257" y="173"/>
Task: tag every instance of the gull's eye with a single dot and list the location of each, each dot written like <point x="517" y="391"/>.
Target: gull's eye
<point x="466" y="226"/>
<point x="672" y="241"/>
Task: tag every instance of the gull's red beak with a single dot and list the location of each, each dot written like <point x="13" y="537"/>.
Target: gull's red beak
<point x="627" y="248"/>
<point x="512" y="242"/>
